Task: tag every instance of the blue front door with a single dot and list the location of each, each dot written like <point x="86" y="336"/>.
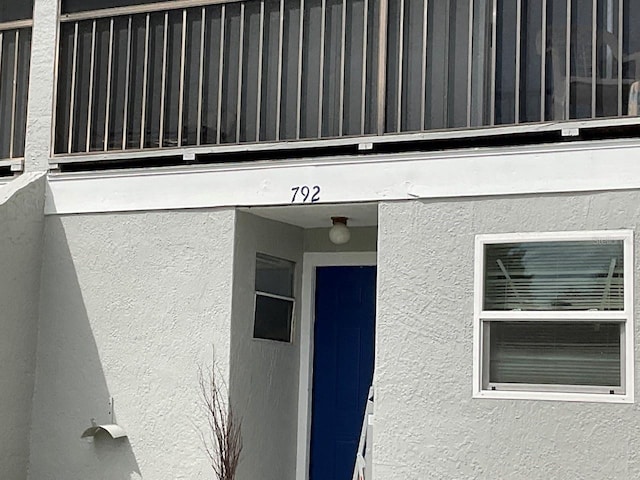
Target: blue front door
<point x="342" y="367"/>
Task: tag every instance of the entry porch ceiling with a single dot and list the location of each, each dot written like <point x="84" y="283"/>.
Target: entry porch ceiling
<point x="319" y="215"/>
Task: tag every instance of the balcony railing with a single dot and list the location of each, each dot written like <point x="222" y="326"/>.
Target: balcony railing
<point x="15" y="54"/>
<point x="195" y="73"/>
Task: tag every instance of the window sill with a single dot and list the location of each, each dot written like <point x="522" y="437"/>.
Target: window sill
<point x="553" y="396"/>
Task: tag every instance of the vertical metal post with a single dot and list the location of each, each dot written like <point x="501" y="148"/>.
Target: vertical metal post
<point x="470" y="62"/>
<point x="365" y="39"/>
<point x="108" y="101"/>
<point x="220" y="76"/>
<point x="423" y="84"/>
<point x="321" y="75"/>
<point x="125" y="112"/>
<point x="259" y="86"/>
<point x="14" y="92"/>
<point x="145" y="74"/>
<point x="163" y="89"/>
<point x="543" y="62"/>
<point x="382" y="66"/>
<point x="90" y="94"/>
<point x="299" y="86"/>
<point x="72" y="97"/>
<point x="183" y="54"/>
<point x="240" y="57"/>
<point x="494" y="48"/>
<point x="280" y="60"/>
<point x="201" y="75"/>
<point x="400" y="67"/>
<point x="620" y="42"/>
<point x="518" y="60"/>
<point x="343" y="50"/>
<point x="594" y="55"/>
<point x="567" y="90"/>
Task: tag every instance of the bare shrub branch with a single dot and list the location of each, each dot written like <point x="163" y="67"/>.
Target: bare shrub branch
<point x="222" y="439"/>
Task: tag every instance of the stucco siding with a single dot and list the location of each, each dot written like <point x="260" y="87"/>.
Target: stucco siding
<point x="264" y="374"/>
<point x="427" y="426"/>
<point x="131" y="305"/>
<point x="21" y="227"/>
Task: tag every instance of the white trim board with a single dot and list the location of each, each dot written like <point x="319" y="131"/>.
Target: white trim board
<point x="309" y="264"/>
<point x="580" y="167"/>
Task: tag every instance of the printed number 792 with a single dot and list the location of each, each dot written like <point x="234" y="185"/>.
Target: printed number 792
<point x="305" y="194"/>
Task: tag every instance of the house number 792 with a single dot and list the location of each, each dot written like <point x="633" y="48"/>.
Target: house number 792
<point x="305" y="194"/>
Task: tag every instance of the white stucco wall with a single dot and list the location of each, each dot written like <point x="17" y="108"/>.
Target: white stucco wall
<point x="131" y="305"/>
<point x="427" y="426"/>
<point x="264" y="374"/>
<point x="21" y="227"/>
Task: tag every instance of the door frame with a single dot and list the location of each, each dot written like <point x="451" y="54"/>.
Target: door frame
<point x="310" y="261"/>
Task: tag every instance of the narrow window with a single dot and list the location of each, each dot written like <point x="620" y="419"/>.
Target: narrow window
<point x="274" y="300"/>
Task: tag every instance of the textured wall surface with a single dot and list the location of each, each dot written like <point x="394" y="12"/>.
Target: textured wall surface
<point x="264" y="374"/>
<point x="21" y="227"/>
<point x="427" y="426"/>
<point x="131" y="305"/>
<point x="41" y="85"/>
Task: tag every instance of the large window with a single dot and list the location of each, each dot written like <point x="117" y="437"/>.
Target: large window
<point x="554" y="316"/>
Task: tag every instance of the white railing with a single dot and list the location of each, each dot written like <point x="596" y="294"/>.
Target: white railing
<point x="362" y="469"/>
<point x="259" y="74"/>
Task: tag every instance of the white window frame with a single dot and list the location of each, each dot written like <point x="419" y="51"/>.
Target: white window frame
<point x="542" y="392"/>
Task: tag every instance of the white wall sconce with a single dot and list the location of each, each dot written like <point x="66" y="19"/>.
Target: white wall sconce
<point x="339" y="233"/>
<point x="112" y="429"/>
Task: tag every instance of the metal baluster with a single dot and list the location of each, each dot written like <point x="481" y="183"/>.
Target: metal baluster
<point x="220" y="76"/>
<point x="108" y="101"/>
<point x="343" y="48"/>
<point x="400" y="67"/>
<point x="163" y="90"/>
<point x="183" y="54"/>
<point x="567" y="90"/>
<point x="620" y="41"/>
<point x="74" y="63"/>
<point x="321" y="76"/>
<point x="518" y="60"/>
<point x="280" y="60"/>
<point x="543" y="60"/>
<point x="299" y="92"/>
<point x="425" y="51"/>
<point x="470" y="62"/>
<point x="14" y="92"/>
<point x="494" y="48"/>
<point x="382" y="66"/>
<point x="145" y="74"/>
<point x="201" y="76"/>
<point x="594" y="55"/>
<point x="92" y="61"/>
<point x="125" y="112"/>
<point x="365" y="40"/>
<point x="240" y="56"/>
<point x="260" y="54"/>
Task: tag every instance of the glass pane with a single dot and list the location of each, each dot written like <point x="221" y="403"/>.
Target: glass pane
<point x="631" y="58"/>
<point x="581" y="353"/>
<point x="24" y="57"/>
<point x="506" y="62"/>
<point x="81" y="94"/>
<point x="480" y="71"/>
<point x="11" y="10"/>
<point x="63" y="95"/>
<point x="530" y="61"/>
<point x="581" y="61"/>
<point x="554" y="276"/>
<point x="100" y="85"/>
<point x="210" y="99"/>
<point x="332" y="69"/>
<point x="270" y="59"/>
<point x="118" y="95"/>
<point x="556" y="61"/>
<point x="273" y="319"/>
<point x="607" y="59"/>
<point x="274" y="275"/>
<point x="7" y="64"/>
<point x="437" y="61"/>
<point x="173" y="79"/>
<point x="412" y="64"/>
<point x="291" y="48"/>
<point x="136" y="80"/>
<point x="251" y="71"/>
<point x="311" y="68"/>
<point x="192" y="77"/>
<point x="458" y="63"/>
<point x="354" y="62"/>
<point x="230" y="71"/>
